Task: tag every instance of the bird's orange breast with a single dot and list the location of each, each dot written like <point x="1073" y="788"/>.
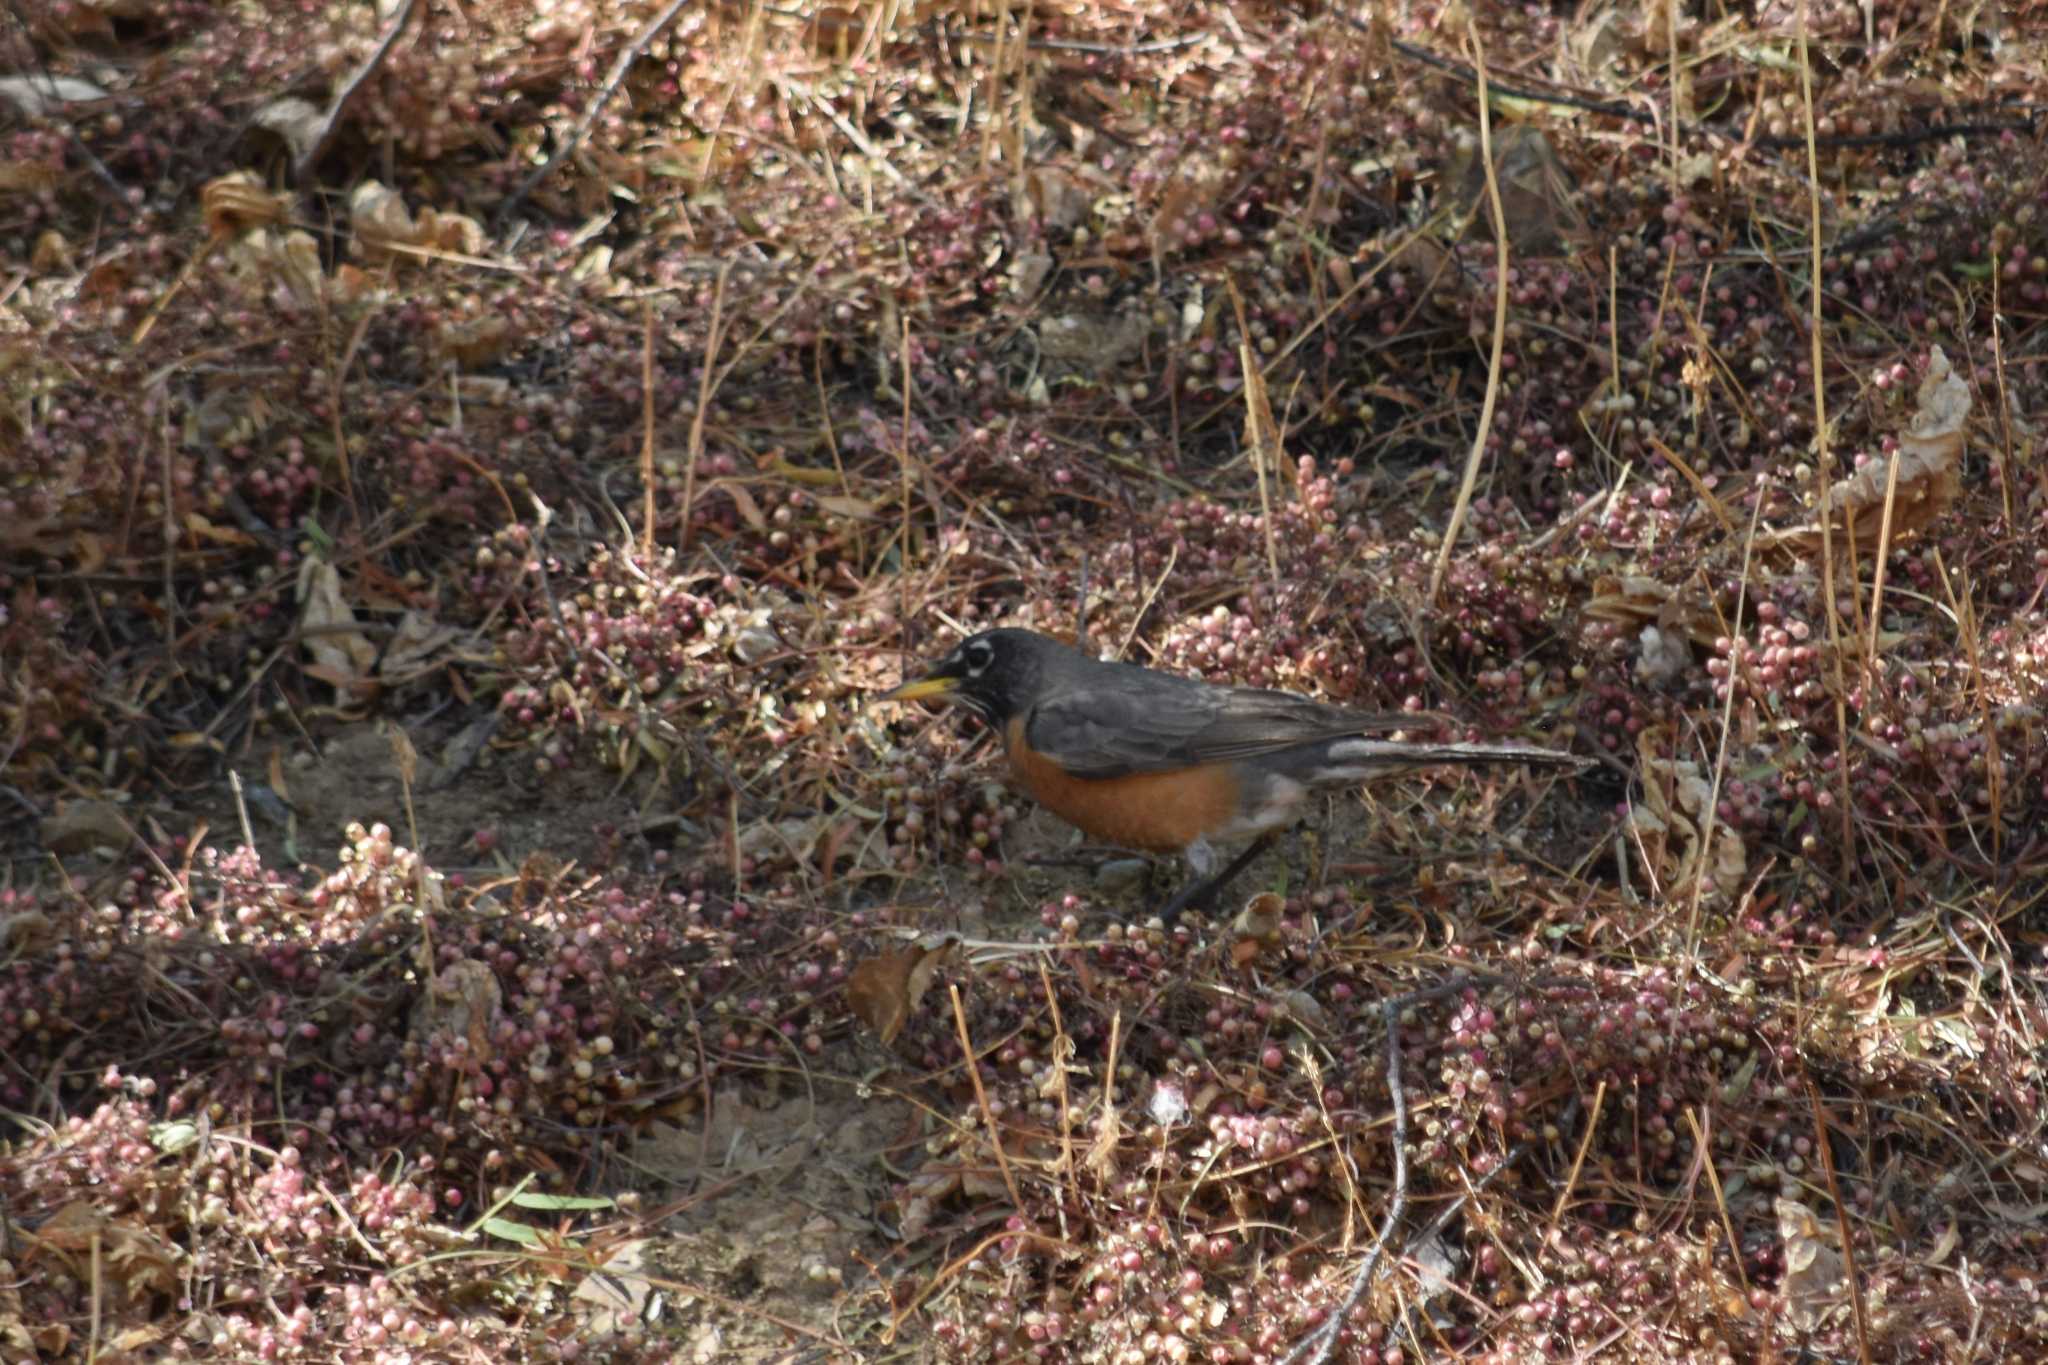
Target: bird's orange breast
<point x="1160" y="812"/>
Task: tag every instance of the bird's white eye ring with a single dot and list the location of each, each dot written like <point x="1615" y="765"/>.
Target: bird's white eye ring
<point x="978" y="655"/>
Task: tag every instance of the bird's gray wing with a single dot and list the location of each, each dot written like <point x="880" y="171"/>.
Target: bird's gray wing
<point x="1158" y="723"/>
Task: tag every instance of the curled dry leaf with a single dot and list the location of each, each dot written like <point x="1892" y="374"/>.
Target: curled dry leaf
<point x="1635" y="601"/>
<point x="1537" y="196"/>
<point x="883" y="990"/>
<point x="463" y="1001"/>
<point x="1666" y="824"/>
<point x="1813" y="1283"/>
<point x="1256" y="928"/>
<point x="341" y="654"/>
<point x="291" y="260"/>
<point x="133" y="1257"/>
<point x="385" y="229"/>
<point x="237" y="203"/>
<point x="420" y="644"/>
<point x="474" y="343"/>
<point x="1929" y="456"/>
<point x="300" y="122"/>
<point x="87" y="824"/>
<point x="51" y="255"/>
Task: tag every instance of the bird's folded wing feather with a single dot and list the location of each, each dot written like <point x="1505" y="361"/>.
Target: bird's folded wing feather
<point x="1106" y="732"/>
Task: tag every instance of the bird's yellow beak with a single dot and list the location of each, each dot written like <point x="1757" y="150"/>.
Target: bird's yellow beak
<point x="933" y="687"/>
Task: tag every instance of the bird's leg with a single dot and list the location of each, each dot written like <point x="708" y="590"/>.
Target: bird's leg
<point x="1199" y="891"/>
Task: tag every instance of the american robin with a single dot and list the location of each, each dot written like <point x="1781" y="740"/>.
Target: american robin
<point x="1167" y="764"/>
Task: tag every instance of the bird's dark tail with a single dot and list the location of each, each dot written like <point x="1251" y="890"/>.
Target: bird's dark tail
<point x="1343" y="761"/>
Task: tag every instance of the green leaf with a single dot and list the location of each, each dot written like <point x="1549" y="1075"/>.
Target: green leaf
<point x="512" y="1232"/>
<point x="561" y="1201"/>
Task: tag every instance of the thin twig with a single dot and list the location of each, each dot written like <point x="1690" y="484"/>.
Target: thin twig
<point x="331" y="120"/>
<point x="597" y="104"/>
<point x="1500" y="325"/>
<point x="1827" y="1166"/>
<point x="1317" y="1345"/>
<point x="1826" y="458"/>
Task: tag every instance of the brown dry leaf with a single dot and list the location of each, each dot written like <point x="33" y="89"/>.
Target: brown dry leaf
<point x="1537" y="196"/>
<point x="416" y="646"/>
<point x="27" y="177"/>
<point x="299" y="122"/>
<point x="203" y="530"/>
<point x="884" y="990"/>
<point x="1928" y="458"/>
<point x="1635" y="600"/>
<point x="83" y="825"/>
<point x="137" y="1258"/>
<point x="290" y="259"/>
<point x="51" y="254"/>
<point x="26" y="934"/>
<point x="237" y="203"/>
<point x="341" y="654"/>
<point x="1666" y="824"/>
<point x="1193" y="190"/>
<point x="464" y="1001"/>
<point x="381" y="221"/>
<point x="1813" y="1283"/>
<point x="1256" y="928"/>
<point x="475" y="342"/>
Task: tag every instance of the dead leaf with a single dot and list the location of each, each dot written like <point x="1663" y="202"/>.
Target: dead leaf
<point x="205" y="530"/>
<point x="300" y="122"/>
<point x="38" y="95"/>
<point x="84" y="825"/>
<point x="1677" y="834"/>
<point x="1636" y="600"/>
<point x="51" y="254"/>
<point x="474" y="343"/>
<point x="237" y="203"/>
<point x="327" y="626"/>
<point x="619" y="1291"/>
<point x="416" y="646"/>
<point x="884" y="990"/>
<point x="463" y="1001"/>
<point x="1537" y="196"/>
<point x="26" y="934"/>
<point x="1928" y="461"/>
<point x="1256" y="928"/>
<point x="1813" y="1283"/>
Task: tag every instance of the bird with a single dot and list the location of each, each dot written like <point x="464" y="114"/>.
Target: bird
<point x="1162" y="763"/>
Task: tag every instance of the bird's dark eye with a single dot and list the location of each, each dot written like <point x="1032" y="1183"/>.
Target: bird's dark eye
<point x="978" y="655"/>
